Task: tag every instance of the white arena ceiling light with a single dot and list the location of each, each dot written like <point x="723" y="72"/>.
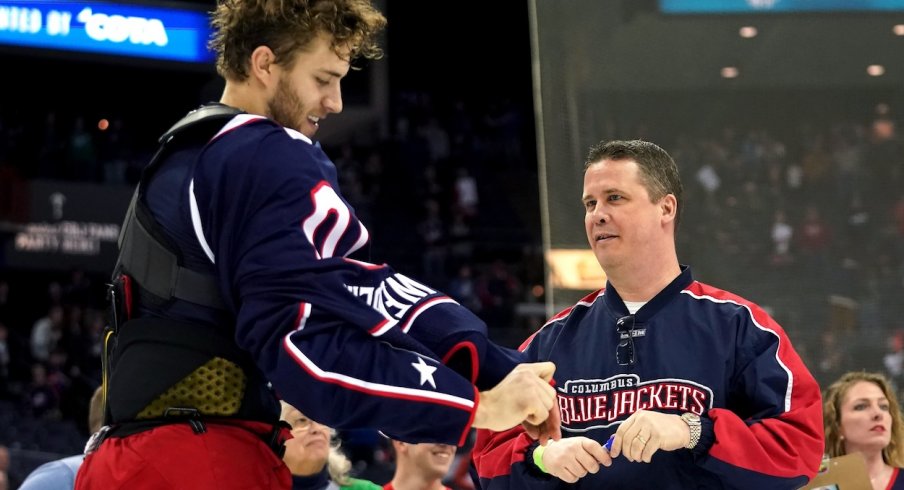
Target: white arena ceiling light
<point x="898" y="29"/>
<point x="875" y="70"/>
<point x="730" y="72"/>
<point x="748" y="32"/>
<point x="772" y="6"/>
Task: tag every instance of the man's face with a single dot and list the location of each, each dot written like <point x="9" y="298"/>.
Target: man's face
<point x="433" y="459"/>
<point x="309" y="91"/>
<point x="619" y="219"/>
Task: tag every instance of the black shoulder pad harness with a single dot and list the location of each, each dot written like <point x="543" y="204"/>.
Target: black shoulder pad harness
<point x="144" y="252"/>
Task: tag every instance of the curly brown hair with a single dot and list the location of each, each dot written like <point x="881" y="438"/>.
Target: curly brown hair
<point x="834" y="397"/>
<point x="288" y="26"/>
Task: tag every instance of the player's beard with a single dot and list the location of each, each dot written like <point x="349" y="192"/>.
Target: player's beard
<point x="286" y="108"/>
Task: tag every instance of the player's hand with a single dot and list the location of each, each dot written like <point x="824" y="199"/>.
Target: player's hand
<point x="549" y="429"/>
<point x="646" y="432"/>
<point x="570" y="459"/>
<point x="523" y="395"/>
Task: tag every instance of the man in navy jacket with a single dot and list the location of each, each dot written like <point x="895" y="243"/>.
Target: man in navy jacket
<point x="695" y="386"/>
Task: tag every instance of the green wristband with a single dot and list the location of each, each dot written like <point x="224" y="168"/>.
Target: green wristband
<point x="538" y="458"/>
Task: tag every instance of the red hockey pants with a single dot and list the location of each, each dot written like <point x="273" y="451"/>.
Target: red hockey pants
<point x="172" y="456"/>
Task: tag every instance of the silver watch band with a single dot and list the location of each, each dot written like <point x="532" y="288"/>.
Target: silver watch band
<point x="693" y="423"/>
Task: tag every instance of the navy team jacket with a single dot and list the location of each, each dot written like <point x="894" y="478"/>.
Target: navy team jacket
<point x="698" y="349"/>
<point x="349" y="343"/>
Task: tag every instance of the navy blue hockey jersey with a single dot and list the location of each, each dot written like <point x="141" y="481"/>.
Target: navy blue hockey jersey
<point x="697" y="349"/>
<point x="349" y="343"/>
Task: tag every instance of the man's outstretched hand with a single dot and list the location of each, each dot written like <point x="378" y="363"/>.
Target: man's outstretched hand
<point x="551" y="428"/>
<point x="523" y="396"/>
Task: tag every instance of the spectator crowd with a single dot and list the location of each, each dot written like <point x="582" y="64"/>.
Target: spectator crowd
<point x="808" y="220"/>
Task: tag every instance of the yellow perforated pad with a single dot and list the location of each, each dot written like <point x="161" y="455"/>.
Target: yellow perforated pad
<point x="214" y="389"/>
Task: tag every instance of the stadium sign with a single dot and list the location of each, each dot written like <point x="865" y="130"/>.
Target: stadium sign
<point x="68" y="224"/>
<point x="158" y="33"/>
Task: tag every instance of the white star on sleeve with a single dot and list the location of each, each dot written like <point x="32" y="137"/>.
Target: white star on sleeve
<point x="426" y="371"/>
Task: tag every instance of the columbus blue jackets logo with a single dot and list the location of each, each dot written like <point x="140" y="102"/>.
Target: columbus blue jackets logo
<point x="586" y="404"/>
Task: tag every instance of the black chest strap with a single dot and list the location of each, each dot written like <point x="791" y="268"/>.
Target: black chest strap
<point x="144" y="250"/>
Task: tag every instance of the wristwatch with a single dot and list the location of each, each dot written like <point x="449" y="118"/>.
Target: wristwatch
<point x="693" y="422"/>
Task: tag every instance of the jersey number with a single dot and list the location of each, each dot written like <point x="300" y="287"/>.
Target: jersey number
<point x="326" y="203"/>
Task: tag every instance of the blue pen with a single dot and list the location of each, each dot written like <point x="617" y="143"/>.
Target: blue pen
<point x="608" y="444"/>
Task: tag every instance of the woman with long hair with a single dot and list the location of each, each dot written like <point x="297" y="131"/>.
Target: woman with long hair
<point x="862" y="414"/>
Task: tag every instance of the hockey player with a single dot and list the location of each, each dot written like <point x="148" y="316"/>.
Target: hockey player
<point x="234" y="271"/>
<point x="695" y="386"/>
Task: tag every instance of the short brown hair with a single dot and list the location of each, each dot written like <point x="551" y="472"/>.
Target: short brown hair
<point x="834" y="397"/>
<point x="658" y="171"/>
<point x="289" y="26"/>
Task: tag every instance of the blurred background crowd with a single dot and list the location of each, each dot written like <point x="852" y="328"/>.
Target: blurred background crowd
<point x="802" y="212"/>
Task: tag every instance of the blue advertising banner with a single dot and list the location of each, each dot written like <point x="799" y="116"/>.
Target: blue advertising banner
<point x="761" y="6"/>
<point x="118" y="29"/>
